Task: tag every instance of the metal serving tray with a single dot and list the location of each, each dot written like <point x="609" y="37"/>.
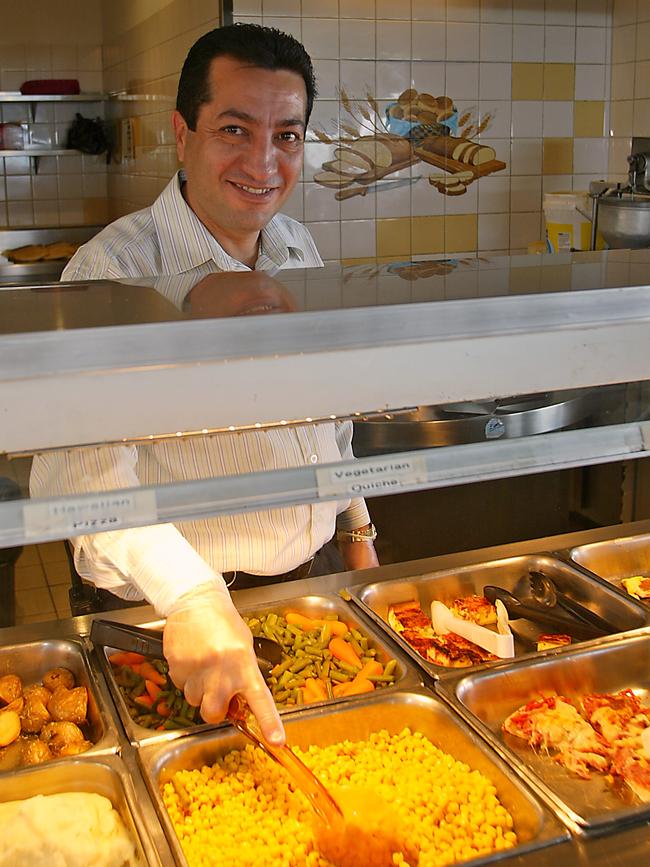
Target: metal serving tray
<point x="421" y="711"/>
<point x="407" y="676"/>
<point x="616" y="559"/>
<point x="486" y="698"/>
<point x="107" y="776"/>
<point x="31" y="661"/>
<point x="375" y="599"/>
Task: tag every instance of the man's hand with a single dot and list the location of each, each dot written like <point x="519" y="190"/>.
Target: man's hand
<point x="211" y="658"/>
<point x="358" y="554"/>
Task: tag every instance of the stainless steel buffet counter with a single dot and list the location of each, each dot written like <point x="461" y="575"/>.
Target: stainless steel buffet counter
<point x="130" y="770"/>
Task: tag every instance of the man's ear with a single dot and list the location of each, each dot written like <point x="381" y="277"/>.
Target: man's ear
<point x="180" y="134"/>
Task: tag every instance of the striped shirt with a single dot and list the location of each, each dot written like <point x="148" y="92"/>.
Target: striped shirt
<point x="161" y="563"/>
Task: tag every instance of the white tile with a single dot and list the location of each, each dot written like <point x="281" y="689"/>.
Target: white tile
<point x="94" y="186"/>
<point x="327" y="77"/>
<point x="586" y="275"/>
<point x="393" y="77"/>
<point x="393" y="202"/>
<point x="499" y="11"/>
<point x="289" y="8"/>
<point x="495" y="42"/>
<point x="45" y="186"/>
<point x="391" y="9"/>
<point x="495" y="80"/>
<point x="493" y="231"/>
<point x="560" y="45"/>
<point x="494" y="194"/>
<point x="293" y="26"/>
<point x="19" y="188"/>
<point x="319" y="203"/>
<point x="556" y="183"/>
<point x="591" y="44"/>
<point x="591" y="81"/>
<point x="528" y="43"/>
<point x="247" y="7"/>
<point x="527" y="118"/>
<point x="428" y="10"/>
<point x="525" y="230"/>
<point x="590" y="155"/>
<point x="528" y="12"/>
<point x="498" y="115"/>
<point x="462" y="41"/>
<point x="393" y="40"/>
<point x="357" y="39"/>
<point x="20" y="214"/>
<point x="426" y="201"/>
<point x="464" y="10"/>
<point x="622" y="80"/>
<point x="358" y="77"/>
<point x="324" y="117"/>
<point x="358" y="238"/>
<point x="623" y="43"/>
<point x="560" y="11"/>
<point x="359" y="208"/>
<point x="348" y="8"/>
<point x="320" y="36"/>
<point x="327" y="237"/>
<point x="316" y="153"/>
<point x="429" y="41"/>
<point x="558" y="120"/>
<point x="330" y="8"/>
<point x="465" y="204"/>
<point x="428" y="77"/>
<point x="526" y="156"/>
<point x="625" y="12"/>
<point x="462" y="80"/>
<point x="592" y="13"/>
<point x="525" y="193"/>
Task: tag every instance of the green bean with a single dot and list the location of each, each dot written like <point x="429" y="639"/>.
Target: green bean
<point x="356" y="646"/>
<point x="345" y="666"/>
<point x="173" y="724"/>
<point x="283" y="695"/>
<point x="363" y="641"/>
<point x="299" y="664"/>
<point x="299" y="698"/>
<point x="328" y="686"/>
<point x="281" y="667"/>
<point x="325" y="670"/>
<point x="381" y="678"/>
<point x="182" y="721"/>
<point x="284" y="679"/>
<point x="356" y="634"/>
<point x="252" y="623"/>
<point x="339" y="677"/>
<point x="390" y="666"/>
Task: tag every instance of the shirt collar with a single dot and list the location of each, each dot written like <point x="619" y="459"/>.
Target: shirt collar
<point x="185" y="243"/>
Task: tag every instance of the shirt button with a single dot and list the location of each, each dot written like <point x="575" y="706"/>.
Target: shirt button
<point x="313" y="459"/>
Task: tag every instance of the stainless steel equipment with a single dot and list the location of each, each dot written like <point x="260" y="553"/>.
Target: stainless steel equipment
<point x="622" y="213"/>
<point x="421" y="711"/>
<point x="616" y="559"/>
<point x="445" y="586"/>
<point x="485" y="699"/>
<point x="20" y="274"/>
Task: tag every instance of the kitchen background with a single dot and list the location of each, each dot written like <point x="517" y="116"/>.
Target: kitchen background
<point x="557" y="89"/>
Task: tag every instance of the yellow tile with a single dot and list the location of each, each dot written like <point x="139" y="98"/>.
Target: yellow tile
<point x="387" y="260"/>
<point x="427" y="235"/>
<point x="621" y="118"/>
<point x="461" y="233"/>
<point x="556" y="278"/>
<point x="27" y="577"/>
<point x="29" y="556"/>
<point x="527" y="80"/>
<point x="588" y="118"/>
<point x="558" y="156"/>
<point x="642" y="117"/>
<point x="394" y="237"/>
<point x="53" y="552"/>
<point x="559" y="80"/>
<point x="525" y="280"/>
<point x="34" y="601"/>
<point x="57" y="573"/>
<point x="359" y="260"/>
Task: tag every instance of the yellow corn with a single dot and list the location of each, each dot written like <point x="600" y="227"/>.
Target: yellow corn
<point x="243" y="810"/>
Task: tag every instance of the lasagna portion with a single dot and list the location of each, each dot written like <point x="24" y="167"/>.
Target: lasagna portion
<point x="637" y="586"/>
<point x="450" y="650"/>
<point x="597" y="732"/>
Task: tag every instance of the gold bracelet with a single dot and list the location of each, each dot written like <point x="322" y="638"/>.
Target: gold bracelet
<point x="363" y="534"/>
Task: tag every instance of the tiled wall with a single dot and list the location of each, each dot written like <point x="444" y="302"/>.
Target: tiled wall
<point x="538" y="68"/>
<point x="145" y="44"/>
<point x="68" y="190"/>
<point x="630" y="106"/>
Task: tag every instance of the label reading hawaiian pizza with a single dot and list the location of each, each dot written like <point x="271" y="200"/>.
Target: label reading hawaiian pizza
<point x="78" y="516"/>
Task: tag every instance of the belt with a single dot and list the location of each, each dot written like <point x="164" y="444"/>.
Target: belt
<point x="239" y="580"/>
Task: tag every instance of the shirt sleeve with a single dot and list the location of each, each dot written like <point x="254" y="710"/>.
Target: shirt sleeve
<point x="356" y="514"/>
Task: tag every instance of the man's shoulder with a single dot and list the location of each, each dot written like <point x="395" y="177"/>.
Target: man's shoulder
<point x="295" y="234"/>
<point x="121" y="249"/>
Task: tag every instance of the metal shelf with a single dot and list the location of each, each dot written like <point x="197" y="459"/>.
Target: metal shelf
<point x="11" y="96"/>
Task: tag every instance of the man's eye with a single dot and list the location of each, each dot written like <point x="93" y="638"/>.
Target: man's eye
<point x="290" y="137"/>
<point x="233" y="130"/>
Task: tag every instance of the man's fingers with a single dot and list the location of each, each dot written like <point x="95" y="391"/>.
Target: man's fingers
<point x="261" y="703"/>
<point x="194" y="692"/>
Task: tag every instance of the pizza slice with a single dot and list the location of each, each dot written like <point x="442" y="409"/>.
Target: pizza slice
<point x="409" y="616"/>
<point x="611" y="714"/>
<point x="633" y="766"/>
<point x="554" y="724"/>
<point x="474" y="608"/>
<point x="637" y="586"/>
<point x="549" y="640"/>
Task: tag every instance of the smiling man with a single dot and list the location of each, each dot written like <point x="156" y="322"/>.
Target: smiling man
<point x="244" y="99"/>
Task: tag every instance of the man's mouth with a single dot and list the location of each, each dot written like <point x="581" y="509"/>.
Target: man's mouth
<point x="255" y="191"/>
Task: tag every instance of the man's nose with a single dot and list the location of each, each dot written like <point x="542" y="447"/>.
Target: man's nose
<point x="260" y="160"/>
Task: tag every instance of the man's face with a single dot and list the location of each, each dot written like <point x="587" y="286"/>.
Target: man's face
<point x="245" y="157"/>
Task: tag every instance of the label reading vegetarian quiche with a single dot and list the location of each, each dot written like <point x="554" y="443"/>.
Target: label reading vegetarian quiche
<point x="367" y="478"/>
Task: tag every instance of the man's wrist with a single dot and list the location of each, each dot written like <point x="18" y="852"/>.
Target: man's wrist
<point x="367" y="533"/>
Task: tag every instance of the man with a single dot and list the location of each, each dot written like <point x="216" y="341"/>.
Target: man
<point x="244" y="99"/>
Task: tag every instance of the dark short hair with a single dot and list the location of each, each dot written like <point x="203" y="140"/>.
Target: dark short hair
<point x="254" y="45"/>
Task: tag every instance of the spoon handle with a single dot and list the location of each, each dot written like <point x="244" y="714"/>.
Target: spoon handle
<point x="323" y="804"/>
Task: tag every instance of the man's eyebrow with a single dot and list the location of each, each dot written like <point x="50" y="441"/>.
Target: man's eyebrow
<point x="243" y="115"/>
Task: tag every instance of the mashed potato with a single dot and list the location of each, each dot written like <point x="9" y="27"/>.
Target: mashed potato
<point x="71" y="829"/>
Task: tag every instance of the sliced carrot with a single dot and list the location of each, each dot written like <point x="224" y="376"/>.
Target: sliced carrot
<point x="360" y="685"/>
<point x="144" y="699"/>
<point x="314" y="690"/>
<point x="150" y="673"/>
<point x="341" y="689"/>
<point x="371" y="668"/>
<point x="163" y="708"/>
<point x="342" y="650"/>
<point x="337" y="627"/>
<point x="153" y="689"/>
<point x="294" y="618"/>
<point x="125" y="658"/>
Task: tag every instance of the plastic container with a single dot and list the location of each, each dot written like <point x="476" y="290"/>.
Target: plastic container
<point x="568" y="221"/>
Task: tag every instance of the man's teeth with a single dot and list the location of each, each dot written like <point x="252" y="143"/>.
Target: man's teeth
<point x="254" y="190"/>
